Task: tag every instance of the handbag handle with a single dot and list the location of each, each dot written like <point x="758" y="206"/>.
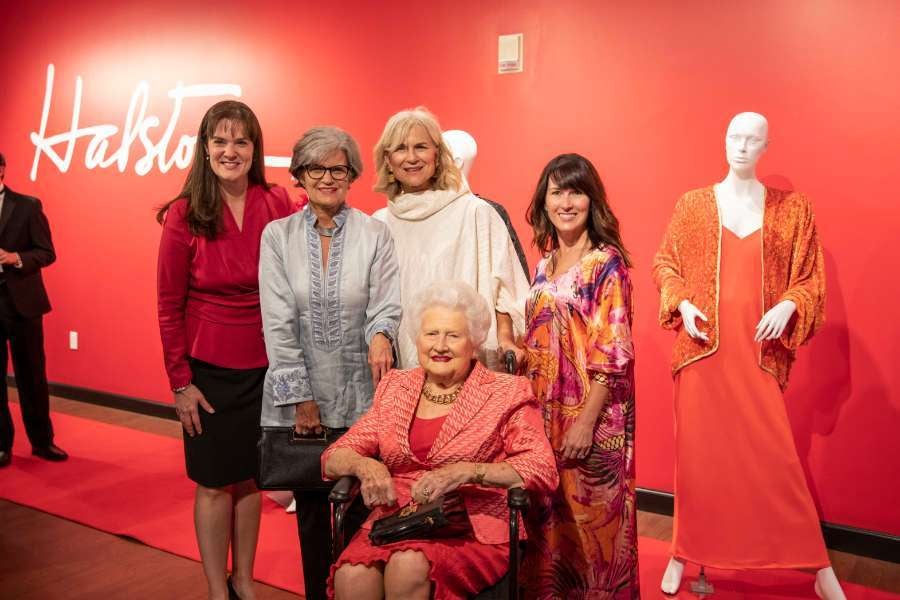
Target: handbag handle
<point x="297" y="438"/>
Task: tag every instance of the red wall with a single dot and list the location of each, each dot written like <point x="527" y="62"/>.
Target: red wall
<point x="645" y="89"/>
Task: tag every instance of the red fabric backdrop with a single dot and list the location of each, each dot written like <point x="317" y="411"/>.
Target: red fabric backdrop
<point x="645" y="89"/>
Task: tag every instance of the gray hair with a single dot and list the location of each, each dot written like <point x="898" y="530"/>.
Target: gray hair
<point x="456" y="296"/>
<point x="317" y="143"/>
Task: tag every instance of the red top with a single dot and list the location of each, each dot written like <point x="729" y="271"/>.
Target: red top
<point x="208" y="290"/>
<point x="422" y="434"/>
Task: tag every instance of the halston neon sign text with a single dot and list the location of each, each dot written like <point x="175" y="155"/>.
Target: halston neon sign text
<point x="137" y="128"/>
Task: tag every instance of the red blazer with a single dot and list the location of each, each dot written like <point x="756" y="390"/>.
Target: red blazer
<point x="495" y="419"/>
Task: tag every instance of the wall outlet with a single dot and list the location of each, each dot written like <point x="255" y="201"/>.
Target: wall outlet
<point x="73" y="340"/>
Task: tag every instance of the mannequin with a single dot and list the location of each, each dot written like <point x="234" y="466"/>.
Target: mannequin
<point x="753" y="222"/>
<point x="464" y="149"/>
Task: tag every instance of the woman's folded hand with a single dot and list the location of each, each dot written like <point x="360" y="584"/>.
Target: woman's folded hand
<point x="434" y="484"/>
<point x="376" y="484"/>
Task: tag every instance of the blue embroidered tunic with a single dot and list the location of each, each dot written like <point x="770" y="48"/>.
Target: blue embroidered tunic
<point x="318" y="322"/>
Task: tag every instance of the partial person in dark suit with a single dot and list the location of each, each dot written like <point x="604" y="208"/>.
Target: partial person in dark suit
<point x="25" y="249"/>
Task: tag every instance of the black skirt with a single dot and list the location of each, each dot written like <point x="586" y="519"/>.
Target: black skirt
<point x="225" y="452"/>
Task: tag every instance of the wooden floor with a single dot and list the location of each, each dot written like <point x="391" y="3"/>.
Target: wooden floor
<point x="43" y="557"/>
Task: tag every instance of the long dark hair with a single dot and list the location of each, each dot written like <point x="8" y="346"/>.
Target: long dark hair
<point x="201" y="187"/>
<point x="574" y="172"/>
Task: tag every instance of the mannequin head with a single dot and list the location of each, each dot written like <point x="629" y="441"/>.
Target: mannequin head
<point x="463" y="149"/>
<point x="745" y="141"/>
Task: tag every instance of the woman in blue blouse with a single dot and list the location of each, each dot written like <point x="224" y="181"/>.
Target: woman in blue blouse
<point x="330" y="295"/>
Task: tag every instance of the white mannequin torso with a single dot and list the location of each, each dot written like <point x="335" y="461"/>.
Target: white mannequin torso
<point x="740" y="206"/>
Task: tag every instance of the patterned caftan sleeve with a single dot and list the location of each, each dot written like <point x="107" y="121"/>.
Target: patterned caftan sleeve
<point x="609" y="314"/>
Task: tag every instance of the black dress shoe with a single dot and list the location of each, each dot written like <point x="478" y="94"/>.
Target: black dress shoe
<point x="5" y="458"/>
<point x="51" y="452"/>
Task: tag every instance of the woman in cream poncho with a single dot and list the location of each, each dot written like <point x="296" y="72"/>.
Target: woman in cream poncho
<point x="443" y="231"/>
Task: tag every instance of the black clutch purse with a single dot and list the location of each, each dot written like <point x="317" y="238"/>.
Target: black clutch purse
<point x="288" y="461"/>
<point x="441" y="518"/>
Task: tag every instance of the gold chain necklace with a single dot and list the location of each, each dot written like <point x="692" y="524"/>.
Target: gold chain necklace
<point x="448" y="398"/>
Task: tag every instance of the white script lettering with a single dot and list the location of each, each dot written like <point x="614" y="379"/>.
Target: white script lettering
<point x="137" y="127"/>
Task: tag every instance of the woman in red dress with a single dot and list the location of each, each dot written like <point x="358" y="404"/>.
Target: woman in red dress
<point x="450" y="424"/>
<point x="211" y="329"/>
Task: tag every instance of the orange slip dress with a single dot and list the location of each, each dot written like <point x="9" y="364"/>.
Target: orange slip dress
<point x="741" y="499"/>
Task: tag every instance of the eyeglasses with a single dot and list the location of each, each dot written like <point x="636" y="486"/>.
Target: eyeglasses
<point x="338" y="172"/>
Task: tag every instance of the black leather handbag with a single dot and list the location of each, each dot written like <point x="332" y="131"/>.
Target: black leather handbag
<point x="441" y="518"/>
<point x="289" y="461"/>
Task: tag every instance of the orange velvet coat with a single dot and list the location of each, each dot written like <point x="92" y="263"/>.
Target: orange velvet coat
<point x="495" y="419"/>
<point x="686" y="267"/>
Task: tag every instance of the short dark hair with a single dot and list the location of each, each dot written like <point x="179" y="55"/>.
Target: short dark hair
<point x="2" y="160"/>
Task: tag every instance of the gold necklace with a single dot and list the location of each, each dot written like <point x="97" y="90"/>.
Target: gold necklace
<point x="444" y="399"/>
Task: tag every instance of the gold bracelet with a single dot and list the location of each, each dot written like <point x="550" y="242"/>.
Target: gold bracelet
<point x="602" y="379"/>
<point x="480" y="472"/>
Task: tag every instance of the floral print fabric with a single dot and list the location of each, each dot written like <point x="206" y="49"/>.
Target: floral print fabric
<point x="583" y="537"/>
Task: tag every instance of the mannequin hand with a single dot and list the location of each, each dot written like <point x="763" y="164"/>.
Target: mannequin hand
<point x="772" y="325"/>
<point x="381" y="359"/>
<point x="434" y="484"/>
<point x="375" y="483"/>
<point x="186" y="403"/>
<point x="577" y="441"/>
<point x="306" y="418"/>
<point x="689" y="314"/>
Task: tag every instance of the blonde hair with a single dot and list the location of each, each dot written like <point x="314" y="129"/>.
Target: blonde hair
<point x="446" y="174"/>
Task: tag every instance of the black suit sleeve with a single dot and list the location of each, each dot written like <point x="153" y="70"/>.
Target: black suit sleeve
<point x="41" y="252"/>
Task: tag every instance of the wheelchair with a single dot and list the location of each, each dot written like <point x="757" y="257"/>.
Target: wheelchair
<point x="346" y="490"/>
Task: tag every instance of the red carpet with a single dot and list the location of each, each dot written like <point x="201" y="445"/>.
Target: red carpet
<point x="132" y="483"/>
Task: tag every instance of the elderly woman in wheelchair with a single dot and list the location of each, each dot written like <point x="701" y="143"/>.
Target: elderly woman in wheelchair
<point x="449" y="436"/>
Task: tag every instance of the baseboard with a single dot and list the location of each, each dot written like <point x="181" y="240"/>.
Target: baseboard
<point x="655" y="501"/>
<point x="843" y="538"/>
<point x="118" y="401"/>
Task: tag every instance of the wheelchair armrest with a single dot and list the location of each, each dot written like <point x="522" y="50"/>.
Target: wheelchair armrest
<point x="345" y="490"/>
<point x="517" y="499"/>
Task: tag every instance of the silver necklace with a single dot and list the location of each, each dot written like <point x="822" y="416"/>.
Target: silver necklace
<point x="326" y="231"/>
